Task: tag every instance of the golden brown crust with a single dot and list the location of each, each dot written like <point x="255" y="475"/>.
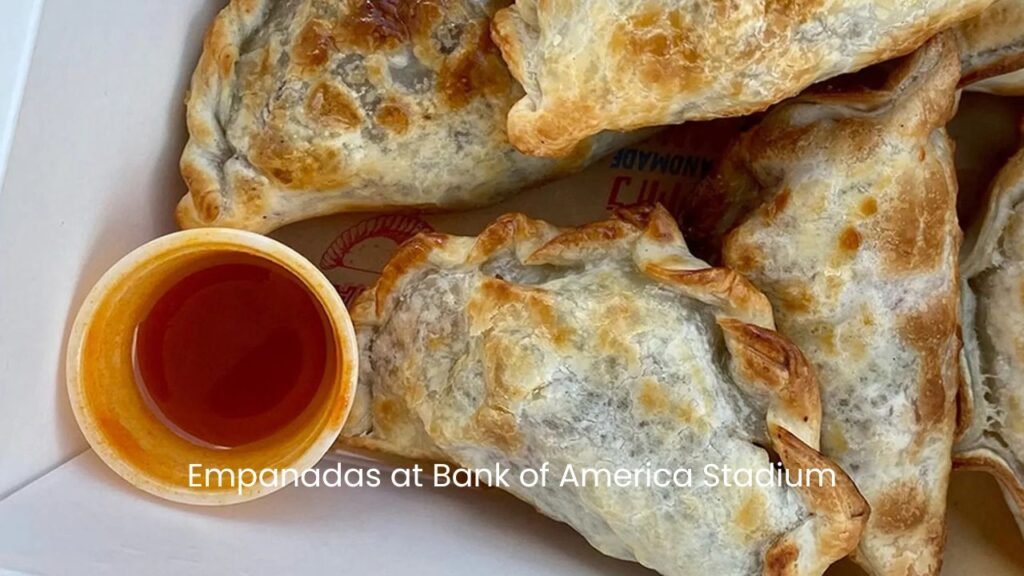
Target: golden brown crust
<point x="764" y="365"/>
<point x="840" y="206"/>
<point x="305" y="108"/>
<point x="212" y="77"/>
<point x="840" y="512"/>
<point x="751" y="164"/>
<point x="623" y="65"/>
<point x="536" y="242"/>
<point x="766" y="360"/>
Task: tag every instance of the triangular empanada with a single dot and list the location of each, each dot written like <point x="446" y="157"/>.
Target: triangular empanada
<point x="842" y="209"/>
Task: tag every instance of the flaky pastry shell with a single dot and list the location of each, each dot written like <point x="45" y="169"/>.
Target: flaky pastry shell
<point x="310" y="107"/>
<point x="841" y="207"/>
<point x="607" y="346"/>
<point x="589" y="66"/>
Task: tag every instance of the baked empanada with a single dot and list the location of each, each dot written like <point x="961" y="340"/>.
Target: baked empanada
<point x="993" y="329"/>
<point x="589" y="66"/>
<point x="853" y="237"/>
<point x="992" y="46"/>
<point x="607" y="347"/>
<point x="307" y="107"/>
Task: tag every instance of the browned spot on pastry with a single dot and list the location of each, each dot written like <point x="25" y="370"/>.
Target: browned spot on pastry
<point x="506" y="367"/>
<point x="749" y="519"/>
<point x="498" y="428"/>
<point x="266" y="66"/>
<point x="332" y="106"/>
<point x="499" y="360"/>
<point x="662" y="46"/>
<point x="543" y="313"/>
<point x="411" y="254"/>
<point x="913" y="225"/>
<point x="540" y="314"/>
<point x="248" y="5"/>
<point x="437" y="342"/>
<point x="380" y="25"/>
<point x="656" y="222"/>
<point x="868" y="206"/>
<point x="849" y="239"/>
<point x="794" y="297"/>
<point x="203" y="190"/>
<point x="387" y="413"/>
<point x="899" y="509"/>
<point x="501" y="232"/>
<point x="778" y="203"/>
<point x="393" y="118"/>
<point x="250" y="194"/>
<point x="862" y="139"/>
<point x="314" y="43"/>
<point x="794" y="10"/>
<point x="296" y="164"/>
<point x="780" y="560"/>
<point x="476" y="71"/>
<point x="226" y="63"/>
<point x="783" y="16"/>
<point x="575" y="160"/>
<point x="613" y="330"/>
<point x="741" y="256"/>
<point x="652" y="398"/>
<point x="826" y="337"/>
<point x="930" y="331"/>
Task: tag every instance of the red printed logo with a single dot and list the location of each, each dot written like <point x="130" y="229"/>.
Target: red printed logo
<point x="356" y="256"/>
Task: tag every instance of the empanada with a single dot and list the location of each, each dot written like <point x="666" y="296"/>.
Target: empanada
<point x="993" y="329"/>
<point x="608" y="347"/>
<point x="589" y="66"/>
<point x="853" y="237"/>
<point x="307" y="107"/>
<point x="992" y="47"/>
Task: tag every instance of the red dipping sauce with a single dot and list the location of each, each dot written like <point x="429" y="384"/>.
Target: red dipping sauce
<point x="233" y="352"/>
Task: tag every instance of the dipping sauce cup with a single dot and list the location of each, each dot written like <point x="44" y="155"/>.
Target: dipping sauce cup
<point x="241" y="400"/>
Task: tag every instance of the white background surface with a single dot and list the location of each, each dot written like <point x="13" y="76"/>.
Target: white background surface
<point x="92" y="173"/>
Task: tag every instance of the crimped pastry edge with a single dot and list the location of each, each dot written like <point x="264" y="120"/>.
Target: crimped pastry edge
<point x="207" y="149"/>
<point x="838" y="514"/>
